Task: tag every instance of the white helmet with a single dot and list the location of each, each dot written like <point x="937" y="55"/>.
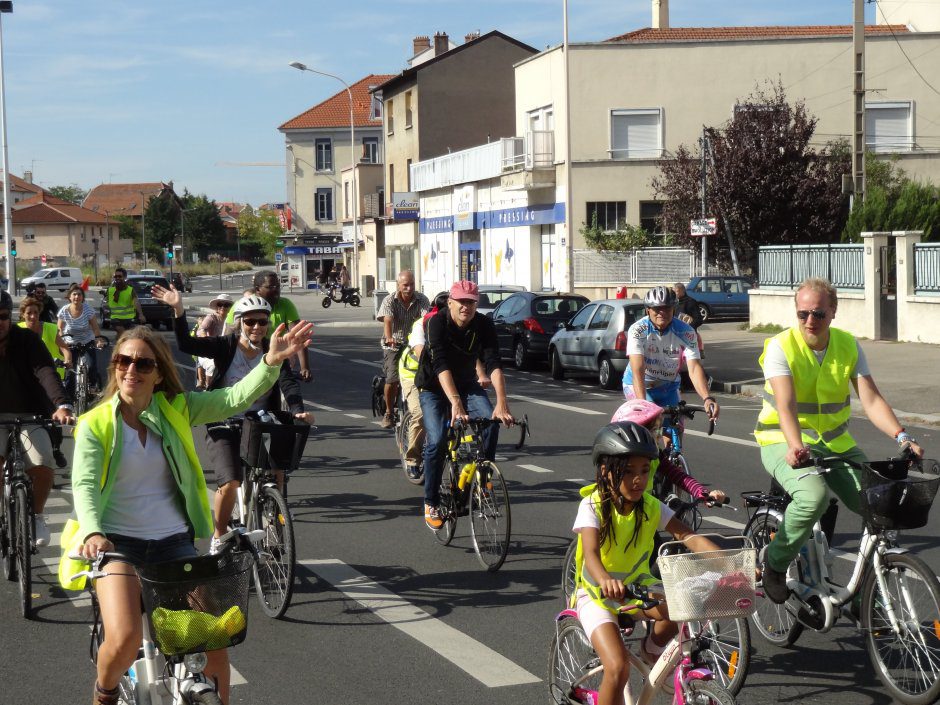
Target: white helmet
<point x="249" y="304"/>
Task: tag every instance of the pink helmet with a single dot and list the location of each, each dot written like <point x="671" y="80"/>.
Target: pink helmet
<point x="640" y="411"/>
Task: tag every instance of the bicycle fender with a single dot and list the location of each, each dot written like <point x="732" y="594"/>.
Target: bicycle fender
<point x="700" y="674"/>
<point x="896" y="551"/>
<point x="566" y="613"/>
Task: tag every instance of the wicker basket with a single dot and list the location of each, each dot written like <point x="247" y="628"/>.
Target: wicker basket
<point x="711" y="584"/>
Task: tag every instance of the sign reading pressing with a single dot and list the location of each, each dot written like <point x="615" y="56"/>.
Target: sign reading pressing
<point x="703" y="227"/>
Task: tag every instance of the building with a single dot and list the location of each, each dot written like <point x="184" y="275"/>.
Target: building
<point x="20" y="189"/>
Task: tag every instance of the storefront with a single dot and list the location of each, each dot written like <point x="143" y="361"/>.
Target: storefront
<point x="308" y="265"/>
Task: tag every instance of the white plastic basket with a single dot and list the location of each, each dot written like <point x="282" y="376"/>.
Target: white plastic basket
<point x="711" y="584"/>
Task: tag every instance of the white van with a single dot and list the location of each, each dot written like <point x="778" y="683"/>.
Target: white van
<point x="60" y="278"/>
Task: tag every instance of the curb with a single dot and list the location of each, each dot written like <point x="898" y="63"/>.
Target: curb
<point x="204" y="310"/>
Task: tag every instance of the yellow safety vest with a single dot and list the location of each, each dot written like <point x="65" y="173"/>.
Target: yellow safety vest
<point x="823" y="403"/>
<point x="407" y="362"/>
<point x="625" y="559"/>
<point x="123" y="309"/>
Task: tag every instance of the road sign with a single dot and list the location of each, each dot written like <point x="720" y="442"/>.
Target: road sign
<point x="703" y="227"/>
<point x="43" y="258"/>
<point x="278" y="256"/>
<point x="279" y="243"/>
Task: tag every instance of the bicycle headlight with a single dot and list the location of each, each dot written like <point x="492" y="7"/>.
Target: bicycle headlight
<point x="891" y="535"/>
<point x="195" y="663"/>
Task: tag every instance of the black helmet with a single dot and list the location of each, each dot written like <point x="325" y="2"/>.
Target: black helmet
<point x="6" y="301"/>
<point x="624" y="438"/>
<point x="660" y="296"/>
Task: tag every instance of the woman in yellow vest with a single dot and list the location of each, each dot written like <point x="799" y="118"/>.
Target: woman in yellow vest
<point x="616" y="525"/>
<point x="30" y="310"/>
<point x="137" y="483"/>
<point x="809" y="371"/>
<point x="123" y="302"/>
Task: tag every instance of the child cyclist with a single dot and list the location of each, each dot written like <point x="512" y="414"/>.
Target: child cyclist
<point x="616" y="525"/>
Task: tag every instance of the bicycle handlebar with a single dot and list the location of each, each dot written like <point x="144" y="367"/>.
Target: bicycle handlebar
<point x="35" y="420"/>
<point x="482" y="423"/>
<point x="688" y="411"/>
<point x="827" y="464"/>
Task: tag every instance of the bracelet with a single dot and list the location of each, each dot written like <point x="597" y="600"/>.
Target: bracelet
<point x="454" y="396"/>
<point x="904" y="437"/>
<point x="899" y="433"/>
<point x="708" y="399"/>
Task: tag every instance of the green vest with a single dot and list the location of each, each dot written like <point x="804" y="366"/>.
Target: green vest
<point x="123" y="309"/>
<point x="407" y="362"/>
<point x="625" y="559"/>
<point x="49" y="333"/>
<point x="823" y="402"/>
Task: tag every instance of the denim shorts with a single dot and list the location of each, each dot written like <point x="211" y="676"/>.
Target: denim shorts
<point x="145" y="551"/>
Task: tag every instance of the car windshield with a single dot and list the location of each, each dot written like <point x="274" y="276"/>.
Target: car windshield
<point x="41" y="273"/>
<point x="496" y="297"/>
<point x="557" y="306"/>
<point x="143" y="286"/>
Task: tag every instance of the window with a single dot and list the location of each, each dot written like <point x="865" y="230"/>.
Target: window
<point x="376" y="107"/>
<point x="324" y="148"/>
<point x="408" y="111"/>
<point x="651" y="216"/>
<point x="541" y="119"/>
<point x="391" y="181"/>
<point x="370" y="150"/>
<point x="889" y="126"/>
<point x="602" y="319"/>
<point x="29" y="235"/>
<point x="82" y="237"/>
<point x="324" y="205"/>
<point x="708" y="286"/>
<point x="408" y="173"/>
<point x="390" y="115"/>
<point x="110" y="233"/>
<point x="346" y="207"/>
<point x="636" y="134"/>
<point x="581" y="318"/>
<point x="610" y="214"/>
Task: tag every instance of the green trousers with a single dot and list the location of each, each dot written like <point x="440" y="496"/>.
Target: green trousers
<point x="809" y="497"/>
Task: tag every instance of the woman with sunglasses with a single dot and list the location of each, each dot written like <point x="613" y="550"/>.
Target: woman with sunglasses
<point x="234" y="356"/>
<point x="138" y="485"/>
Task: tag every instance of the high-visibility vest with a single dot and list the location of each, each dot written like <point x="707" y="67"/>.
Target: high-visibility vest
<point x="823" y="404"/>
<point x="123" y="309"/>
<point x="408" y="361"/>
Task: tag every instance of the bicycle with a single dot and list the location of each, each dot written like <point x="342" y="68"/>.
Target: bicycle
<point x="17" y="520"/>
<point x="83" y="397"/>
<point x="261" y="505"/>
<point x="728" y="645"/>
<point x="892" y="596"/>
<point x="472" y="485"/>
<point x="575" y="671"/>
<point x="190" y="607"/>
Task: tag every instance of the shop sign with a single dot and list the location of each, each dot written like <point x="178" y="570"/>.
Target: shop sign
<point x="464" y="207"/>
<point x="405" y="205"/>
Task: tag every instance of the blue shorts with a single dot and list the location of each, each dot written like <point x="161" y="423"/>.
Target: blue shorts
<point x="663" y="395"/>
<point x="144" y="551"/>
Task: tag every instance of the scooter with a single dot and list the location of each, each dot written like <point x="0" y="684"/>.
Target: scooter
<point x="346" y="295"/>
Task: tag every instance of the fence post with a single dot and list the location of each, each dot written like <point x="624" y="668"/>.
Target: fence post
<point x="829" y="262"/>
<point x="791" y="266"/>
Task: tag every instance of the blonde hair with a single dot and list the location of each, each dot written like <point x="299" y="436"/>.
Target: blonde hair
<point x="26" y="303"/>
<point x="170" y="385"/>
<point x="819" y="285"/>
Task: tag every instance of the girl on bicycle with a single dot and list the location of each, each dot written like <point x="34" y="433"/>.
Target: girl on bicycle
<point x="650" y="416"/>
<point x="616" y="525"/>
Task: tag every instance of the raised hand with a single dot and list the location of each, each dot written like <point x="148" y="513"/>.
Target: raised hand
<point x="284" y="345"/>
<point x="171" y="297"/>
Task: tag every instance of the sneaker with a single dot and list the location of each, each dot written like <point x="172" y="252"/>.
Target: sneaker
<point x="432" y="518"/>
<point x="387" y="421"/>
<point x="42" y="531"/>
<point x="60" y="460"/>
<point x="775" y="584"/>
<point x="414" y="472"/>
<point x="214" y="545"/>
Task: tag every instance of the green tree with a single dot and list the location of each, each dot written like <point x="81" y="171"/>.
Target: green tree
<point x="204" y="226"/>
<point x="258" y="230"/>
<point x="72" y="193"/>
<point x="625" y="237"/>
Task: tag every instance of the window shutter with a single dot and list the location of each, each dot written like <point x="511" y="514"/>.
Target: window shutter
<point x="635" y="134"/>
<point x="887" y="126"/>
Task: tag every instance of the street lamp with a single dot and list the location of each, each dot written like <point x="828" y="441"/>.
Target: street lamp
<point x="352" y="160"/>
<point x="143" y="234"/>
<point x="6" y="6"/>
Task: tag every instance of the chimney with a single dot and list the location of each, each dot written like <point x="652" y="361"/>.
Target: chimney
<point x="470" y="36"/>
<point x="421" y="44"/>
<point x="440" y="43"/>
<point x="660" y="14"/>
<point x="28" y="176"/>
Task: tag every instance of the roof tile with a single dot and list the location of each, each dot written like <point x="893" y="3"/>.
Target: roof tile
<point x="121" y="199"/>
<point x="334" y="111"/>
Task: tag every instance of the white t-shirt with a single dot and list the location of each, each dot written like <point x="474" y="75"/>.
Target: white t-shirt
<point x="416" y="337"/>
<point x="776" y="365"/>
<point x="145" y="502"/>
<point x="77" y="329"/>
<point x="239" y="369"/>
<point x="587" y="517"/>
<point x="662" y="352"/>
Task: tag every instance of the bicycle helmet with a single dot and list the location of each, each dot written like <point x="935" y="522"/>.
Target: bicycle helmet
<point x="249" y="304"/>
<point x="640" y="411"/>
<point x="660" y="296"/>
<point x="623" y="438"/>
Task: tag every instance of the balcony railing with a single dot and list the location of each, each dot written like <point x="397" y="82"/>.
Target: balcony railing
<point x="534" y="151"/>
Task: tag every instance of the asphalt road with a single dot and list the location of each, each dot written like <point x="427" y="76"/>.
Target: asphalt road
<point x="383" y="614"/>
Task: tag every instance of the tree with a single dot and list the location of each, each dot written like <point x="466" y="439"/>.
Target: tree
<point x="625" y="237"/>
<point x="258" y="231"/>
<point x="204" y="226"/>
<point x="72" y="193"/>
<point x="764" y="180"/>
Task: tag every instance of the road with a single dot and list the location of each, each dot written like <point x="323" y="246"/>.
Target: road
<point x="383" y="614"/>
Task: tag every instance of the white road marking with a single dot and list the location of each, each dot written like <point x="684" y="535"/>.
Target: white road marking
<point x="747" y="381"/>
<point x="328" y="353"/>
<point x="477" y="660"/>
<point x="578" y="480"/>
<point x="355" y="416"/>
<point x="718" y="437"/>
<point x="534" y="468"/>
<point x="555" y="405"/>
<point x="321" y="407"/>
<point x="370" y="363"/>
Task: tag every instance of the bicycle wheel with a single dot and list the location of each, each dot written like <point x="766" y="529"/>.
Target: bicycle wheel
<point x="906" y="658"/>
<point x="447" y="504"/>
<point x="707" y="693"/>
<point x="571" y="659"/>
<point x="569" y="572"/>
<point x="7" y="541"/>
<point x="490" y="518"/>
<point x="24" y="551"/>
<point x="81" y="391"/>
<point x="773" y="622"/>
<point x="726" y="651"/>
<point x="274" y="571"/>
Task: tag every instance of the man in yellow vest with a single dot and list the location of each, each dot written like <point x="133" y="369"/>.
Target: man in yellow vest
<point x="807" y="372"/>
<point x="123" y="302"/>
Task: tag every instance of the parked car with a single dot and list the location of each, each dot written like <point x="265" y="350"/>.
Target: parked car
<point x="182" y="282"/>
<point x="155" y="312"/>
<point x="60" y="278"/>
<point x="525" y="322"/>
<point x="283" y="270"/>
<point x="595" y="340"/>
<point x="493" y="296"/>
<point x="150" y="273"/>
<point x="720" y="296"/>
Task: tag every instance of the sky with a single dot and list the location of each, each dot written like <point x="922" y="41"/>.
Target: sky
<point x="192" y="92"/>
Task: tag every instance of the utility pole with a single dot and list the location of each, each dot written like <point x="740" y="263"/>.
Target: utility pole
<point x="7" y="213"/>
<point x="858" y="147"/>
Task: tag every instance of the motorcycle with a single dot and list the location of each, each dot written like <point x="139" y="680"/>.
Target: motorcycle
<point x="341" y="295"/>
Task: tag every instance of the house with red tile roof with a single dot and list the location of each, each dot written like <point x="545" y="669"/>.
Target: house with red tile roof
<point x="20" y="189"/>
<point x="127" y="199"/>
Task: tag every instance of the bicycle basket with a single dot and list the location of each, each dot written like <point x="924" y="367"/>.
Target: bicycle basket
<point x="895" y="497"/>
<point x="197" y="604"/>
<point x="286" y="445"/>
<point x="711" y="584"/>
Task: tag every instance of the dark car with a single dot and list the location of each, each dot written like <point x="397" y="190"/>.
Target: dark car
<point x="721" y="297"/>
<point x="527" y="320"/>
<point x="182" y="282"/>
<point x="156" y="312"/>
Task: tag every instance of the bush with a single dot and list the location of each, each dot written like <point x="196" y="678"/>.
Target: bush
<point x="626" y="237"/>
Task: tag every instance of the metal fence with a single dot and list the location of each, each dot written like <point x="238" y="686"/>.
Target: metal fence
<point x="926" y="268"/>
<point x="788" y="265"/>
<point x="651" y="264"/>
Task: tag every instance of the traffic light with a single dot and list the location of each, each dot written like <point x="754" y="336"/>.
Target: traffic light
<point x="169" y="253"/>
<point x="13" y="248"/>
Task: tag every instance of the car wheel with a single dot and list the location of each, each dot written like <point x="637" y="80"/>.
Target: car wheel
<point x="607" y="376"/>
<point x="520" y="355"/>
<point x="704" y="312"/>
<point x="558" y="372"/>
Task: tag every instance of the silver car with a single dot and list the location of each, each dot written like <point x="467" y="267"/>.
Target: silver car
<point x="594" y="340"/>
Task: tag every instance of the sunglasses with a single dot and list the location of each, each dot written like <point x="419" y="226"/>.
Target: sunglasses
<point x="144" y="365"/>
<point x="5" y="316"/>
<point x="816" y="313"/>
<point x="224" y="305"/>
<point x="660" y="309"/>
<point x="252" y="322"/>
<point x="466" y="303"/>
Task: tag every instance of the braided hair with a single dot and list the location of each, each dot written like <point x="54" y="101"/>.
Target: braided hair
<point x="610" y="472"/>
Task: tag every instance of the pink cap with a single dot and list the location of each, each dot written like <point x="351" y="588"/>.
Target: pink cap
<point x="639" y="411"/>
<point x="465" y="290"/>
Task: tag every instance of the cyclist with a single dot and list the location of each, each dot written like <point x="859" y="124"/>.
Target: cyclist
<point x="123" y="302"/>
<point x="138" y="486"/>
<point x="234" y="356"/>
<point x="210" y="326"/>
<point x="31" y="318"/>
<point x="457" y="337"/>
<point x="49" y="307"/>
<point x="29" y="385"/>
<point x="398" y="314"/>
<point x="78" y="325"/>
<point x="656" y="345"/>
<point x="808" y="370"/>
<point x="616" y="524"/>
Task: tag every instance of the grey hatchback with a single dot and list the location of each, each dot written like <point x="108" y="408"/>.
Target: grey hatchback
<point x="595" y="340"/>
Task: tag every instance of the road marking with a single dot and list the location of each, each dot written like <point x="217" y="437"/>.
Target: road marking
<point x="534" y="468"/>
<point x="355" y="416"/>
<point x="598" y="394"/>
<point x="721" y="521"/>
<point x="576" y="479"/>
<point x="535" y="381"/>
<point x="58" y="502"/>
<point x="321" y="407"/>
<point x="747" y="381"/>
<point x="477" y="660"/>
<point x="554" y="405"/>
<point x="726" y="439"/>
<point x="370" y="363"/>
<point x="328" y="353"/>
